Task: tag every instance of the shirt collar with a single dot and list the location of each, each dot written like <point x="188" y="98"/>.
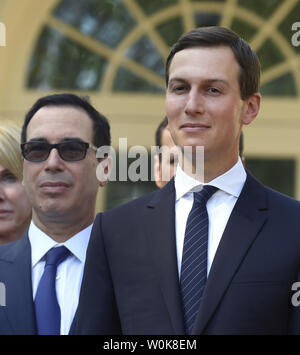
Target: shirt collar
<point x="232" y="181"/>
<point x="41" y="243"/>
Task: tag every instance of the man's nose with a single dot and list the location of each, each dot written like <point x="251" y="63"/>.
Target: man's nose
<point x="195" y="103"/>
<point x="54" y="161"/>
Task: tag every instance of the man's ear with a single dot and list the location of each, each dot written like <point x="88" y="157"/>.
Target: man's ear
<point x="157" y="172"/>
<point x="252" y="106"/>
<point x="104" y="169"/>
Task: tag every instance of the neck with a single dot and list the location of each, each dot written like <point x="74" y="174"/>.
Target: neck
<point x="61" y="229"/>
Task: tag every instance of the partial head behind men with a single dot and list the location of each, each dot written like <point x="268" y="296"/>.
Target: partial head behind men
<point x="165" y="161"/>
<point x="159" y="132"/>
<point x="249" y="76"/>
<point x="15" y="209"/>
<point x="10" y="153"/>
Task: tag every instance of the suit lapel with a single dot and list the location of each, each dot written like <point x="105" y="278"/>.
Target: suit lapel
<point x="160" y="229"/>
<point x="19" y="300"/>
<point x="247" y="218"/>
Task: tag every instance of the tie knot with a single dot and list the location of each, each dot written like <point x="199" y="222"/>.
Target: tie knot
<point x="205" y="194"/>
<point x="56" y="255"/>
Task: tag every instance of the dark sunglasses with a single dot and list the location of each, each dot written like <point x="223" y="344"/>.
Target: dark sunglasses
<point x="68" y="151"/>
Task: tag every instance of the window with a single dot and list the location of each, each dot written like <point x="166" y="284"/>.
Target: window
<point x="279" y="174"/>
<point x="120" y="46"/>
<point x="115" y="47"/>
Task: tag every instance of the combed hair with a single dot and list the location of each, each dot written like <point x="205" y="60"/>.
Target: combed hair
<point x="101" y="128"/>
<point x="214" y="36"/>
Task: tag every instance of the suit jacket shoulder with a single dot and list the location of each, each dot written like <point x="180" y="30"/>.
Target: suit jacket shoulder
<point x="17" y="316"/>
<point x="10" y="251"/>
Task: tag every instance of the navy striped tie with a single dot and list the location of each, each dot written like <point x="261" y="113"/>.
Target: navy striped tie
<point x="194" y="256"/>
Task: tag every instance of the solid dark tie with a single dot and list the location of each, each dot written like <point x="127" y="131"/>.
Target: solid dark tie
<point x="47" y="309"/>
<point x="194" y="256"/>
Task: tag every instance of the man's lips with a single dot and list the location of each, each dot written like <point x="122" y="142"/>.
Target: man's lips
<point x="57" y="186"/>
<point x="191" y="127"/>
<point x="54" y="184"/>
<point x="4" y="213"/>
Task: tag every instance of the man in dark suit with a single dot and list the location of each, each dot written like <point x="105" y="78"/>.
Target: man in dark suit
<point x="216" y="253"/>
<point x="42" y="272"/>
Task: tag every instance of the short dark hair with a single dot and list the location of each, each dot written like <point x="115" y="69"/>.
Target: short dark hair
<point x="215" y="36"/>
<point x="158" y="133"/>
<point x="101" y="128"/>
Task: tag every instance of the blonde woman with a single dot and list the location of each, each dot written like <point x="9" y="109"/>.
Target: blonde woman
<point x="15" y="209"/>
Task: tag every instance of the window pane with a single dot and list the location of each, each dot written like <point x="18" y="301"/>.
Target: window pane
<point x="279" y="174"/>
<point x="245" y="30"/>
<point x="120" y="192"/>
<point x="269" y="55"/>
<point x="128" y="81"/>
<point x="151" y="6"/>
<point x="145" y="53"/>
<point x="59" y="63"/>
<point x="261" y="8"/>
<point x="171" y="30"/>
<point x="206" y="0"/>
<point x="282" y="86"/>
<point x="206" y="19"/>
<point x="108" y="21"/>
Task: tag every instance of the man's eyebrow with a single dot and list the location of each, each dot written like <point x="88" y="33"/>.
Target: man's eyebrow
<point x="216" y="80"/>
<point x="205" y="81"/>
<point x="38" y="139"/>
<point x="66" y="139"/>
<point x="177" y="79"/>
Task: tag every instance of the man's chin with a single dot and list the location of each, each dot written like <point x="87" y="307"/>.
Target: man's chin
<point x="53" y="209"/>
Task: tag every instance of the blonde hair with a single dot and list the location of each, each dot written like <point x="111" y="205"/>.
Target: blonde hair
<point x="10" y="152"/>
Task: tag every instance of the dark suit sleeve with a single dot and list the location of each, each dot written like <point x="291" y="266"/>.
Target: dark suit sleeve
<point x="97" y="310"/>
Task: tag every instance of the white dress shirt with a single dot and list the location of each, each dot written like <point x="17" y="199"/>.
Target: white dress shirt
<point x="69" y="272"/>
<point x="219" y="206"/>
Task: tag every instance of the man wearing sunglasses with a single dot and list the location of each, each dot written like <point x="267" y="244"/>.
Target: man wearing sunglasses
<point x="42" y="272"/>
